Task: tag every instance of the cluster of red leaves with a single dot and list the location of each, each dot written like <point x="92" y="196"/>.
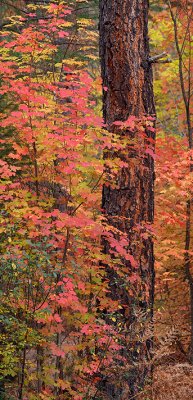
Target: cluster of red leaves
<point x="51" y="223"/>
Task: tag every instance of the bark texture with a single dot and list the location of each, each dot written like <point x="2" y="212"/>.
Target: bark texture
<point x="127" y="79"/>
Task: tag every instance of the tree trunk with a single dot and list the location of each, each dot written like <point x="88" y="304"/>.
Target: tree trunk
<point x="129" y="204"/>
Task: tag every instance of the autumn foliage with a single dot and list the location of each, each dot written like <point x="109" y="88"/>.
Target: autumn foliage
<point x="61" y="331"/>
<point x="51" y="170"/>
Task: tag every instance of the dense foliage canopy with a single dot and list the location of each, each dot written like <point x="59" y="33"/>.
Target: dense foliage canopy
<point x="62" y="333"/>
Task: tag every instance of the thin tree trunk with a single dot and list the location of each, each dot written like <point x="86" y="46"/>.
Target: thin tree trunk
<point x="21" y="385"/>
<point x="188" y="271"/>
<point x="127" y="82"/>
<point x="40" y="362"/>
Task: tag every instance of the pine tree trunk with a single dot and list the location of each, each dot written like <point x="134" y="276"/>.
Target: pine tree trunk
<point x="127" y="82"/>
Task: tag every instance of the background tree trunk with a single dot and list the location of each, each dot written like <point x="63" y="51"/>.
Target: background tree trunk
<point x="128" y="90"/>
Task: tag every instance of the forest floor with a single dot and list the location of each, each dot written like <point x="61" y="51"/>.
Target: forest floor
<point x="173" y="382"/>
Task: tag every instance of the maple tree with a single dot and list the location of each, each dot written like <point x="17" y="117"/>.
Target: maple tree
<point x="50" y="210"/>
<point x="174" y="152"/>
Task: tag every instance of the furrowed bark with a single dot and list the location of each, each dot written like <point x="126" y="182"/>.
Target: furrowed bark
<point x="127" y="79"/>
